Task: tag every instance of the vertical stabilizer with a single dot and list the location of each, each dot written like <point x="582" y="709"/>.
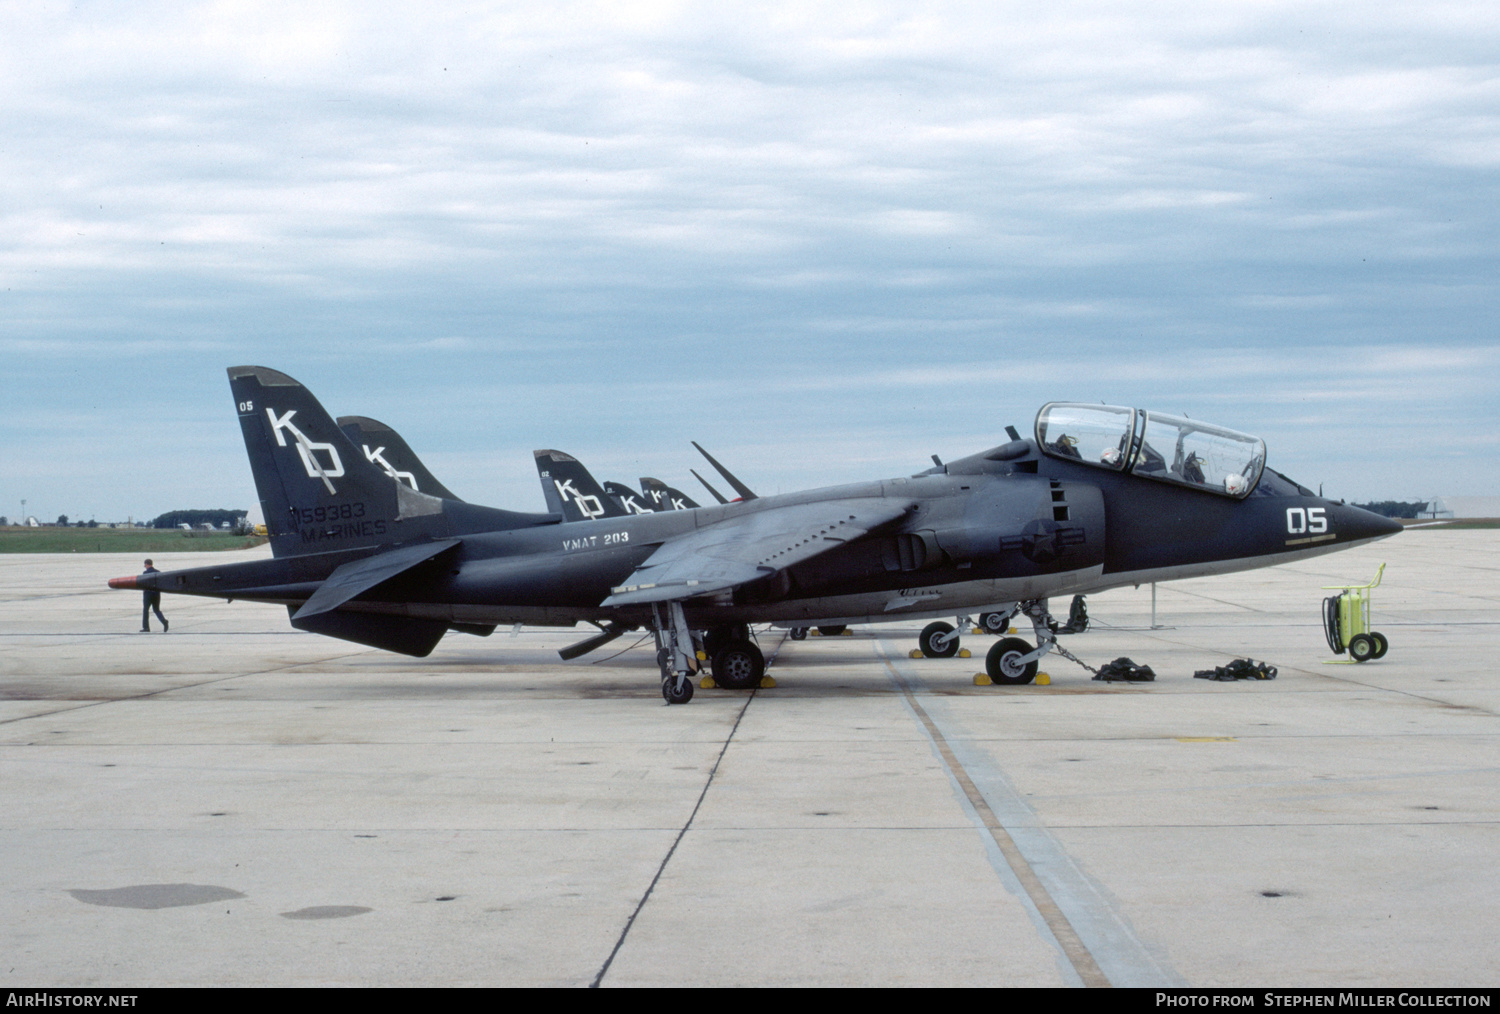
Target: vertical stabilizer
<point x="317" y="491"/>
<point x="384" y="448"/>
<point x="663" y="497"/>
<point x="571" y="490"/>
<point x="632" y="501"/>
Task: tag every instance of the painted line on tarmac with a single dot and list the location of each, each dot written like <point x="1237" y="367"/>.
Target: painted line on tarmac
<point x="1096" y="941"/>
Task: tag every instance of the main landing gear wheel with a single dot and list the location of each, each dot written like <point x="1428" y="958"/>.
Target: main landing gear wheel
<point x="833" y="631"/>
<point x="799" y="633"/>
<point x="1003" y="663"/>
<point x="995" y="623"/>
<point x="1362" y="647"/>
<point x="935" y="642"/>
<point x="676" y="691"/>
<point x="739" y="666"/>
<point x="1381" y="644"/>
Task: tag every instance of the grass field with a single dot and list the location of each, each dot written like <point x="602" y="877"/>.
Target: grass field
<point x="15" y="539"/>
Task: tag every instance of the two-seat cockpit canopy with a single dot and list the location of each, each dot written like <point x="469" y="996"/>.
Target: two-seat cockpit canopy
<point x="1167" y="448"/>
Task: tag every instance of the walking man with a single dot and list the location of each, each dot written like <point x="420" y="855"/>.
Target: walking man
<point x="151" y="602"/>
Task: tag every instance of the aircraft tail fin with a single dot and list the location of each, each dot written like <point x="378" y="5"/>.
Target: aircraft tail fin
<point x="663" y="497"/>
<point x="317" y="490"/>
<point x="384" y="447"/>
<point x="630" y="499"/>
<point x="570" y="489"/>
<point x="745" y="492"/>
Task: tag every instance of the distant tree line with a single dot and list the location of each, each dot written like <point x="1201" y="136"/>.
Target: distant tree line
<point x="171" y="519"/>
<point x="1394" y="508"/>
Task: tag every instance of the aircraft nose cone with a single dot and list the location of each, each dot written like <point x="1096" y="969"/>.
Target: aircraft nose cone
<point x="1356" y="524"/>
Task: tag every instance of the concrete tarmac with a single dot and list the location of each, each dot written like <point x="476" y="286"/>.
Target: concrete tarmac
<point x="239" y="803"/>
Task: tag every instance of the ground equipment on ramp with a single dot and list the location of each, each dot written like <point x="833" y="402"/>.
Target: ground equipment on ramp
<point x="1346" y="622"/>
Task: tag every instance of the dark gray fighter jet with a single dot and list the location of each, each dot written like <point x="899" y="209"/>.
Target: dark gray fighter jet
<point x="1101" y="496"/>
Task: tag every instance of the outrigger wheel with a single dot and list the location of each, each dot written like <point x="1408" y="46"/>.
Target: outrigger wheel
<point x="676" y="691"/>
<point x="935" y="642"/>
<point x="1003" y="663"/>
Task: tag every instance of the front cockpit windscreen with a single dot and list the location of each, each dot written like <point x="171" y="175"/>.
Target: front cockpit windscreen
<point x="1153" y="445"/>
<point x="1097" y="434"/>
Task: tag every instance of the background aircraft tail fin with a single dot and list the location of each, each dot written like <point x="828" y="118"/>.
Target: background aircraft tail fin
<point x="663" y="497"/>
<point x="632" y="501"/>
<point x="384" y="447"/>
<point x="571" y="490"/>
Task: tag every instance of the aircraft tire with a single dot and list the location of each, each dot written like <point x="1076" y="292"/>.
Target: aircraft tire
<point x="1001" y="666"/>
<point x="739" y="665"/>
<point x="672" y="695"/>
<point x="799" y="633"/>
<point x="995" y="623"/>
<point x="1381" y="644"/>
<point x="928" y="640"/>
<point x="833" y="631"/>
<point x="1362" y="647"/>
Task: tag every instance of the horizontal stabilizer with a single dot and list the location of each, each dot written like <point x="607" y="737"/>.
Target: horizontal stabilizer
<point x="354" y="579"/>
<point x="753" y="545"/>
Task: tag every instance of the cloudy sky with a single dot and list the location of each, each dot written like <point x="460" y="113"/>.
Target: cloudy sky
<point x="826" y="242"/>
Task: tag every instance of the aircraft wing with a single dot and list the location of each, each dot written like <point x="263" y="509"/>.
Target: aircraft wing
<point x="729" y="553"/>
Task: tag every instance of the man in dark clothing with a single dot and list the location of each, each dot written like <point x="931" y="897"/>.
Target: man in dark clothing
<point x="151" y="602"/>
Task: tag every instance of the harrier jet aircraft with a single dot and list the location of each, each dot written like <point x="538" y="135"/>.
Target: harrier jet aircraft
<point x="1100" y="496"/>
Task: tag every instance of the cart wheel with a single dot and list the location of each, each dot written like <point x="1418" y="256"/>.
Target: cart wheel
<point x="1362" y="647"/>
<point x="1381" y="644"/>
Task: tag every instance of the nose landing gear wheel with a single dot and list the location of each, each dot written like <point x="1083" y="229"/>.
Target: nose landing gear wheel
<point x="932" y="640"/>
<point x="673" y="695"/>
<point x="1003" y="663"/>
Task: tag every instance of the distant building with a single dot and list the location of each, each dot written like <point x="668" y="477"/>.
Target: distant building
<point x="1462" y="507"/>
